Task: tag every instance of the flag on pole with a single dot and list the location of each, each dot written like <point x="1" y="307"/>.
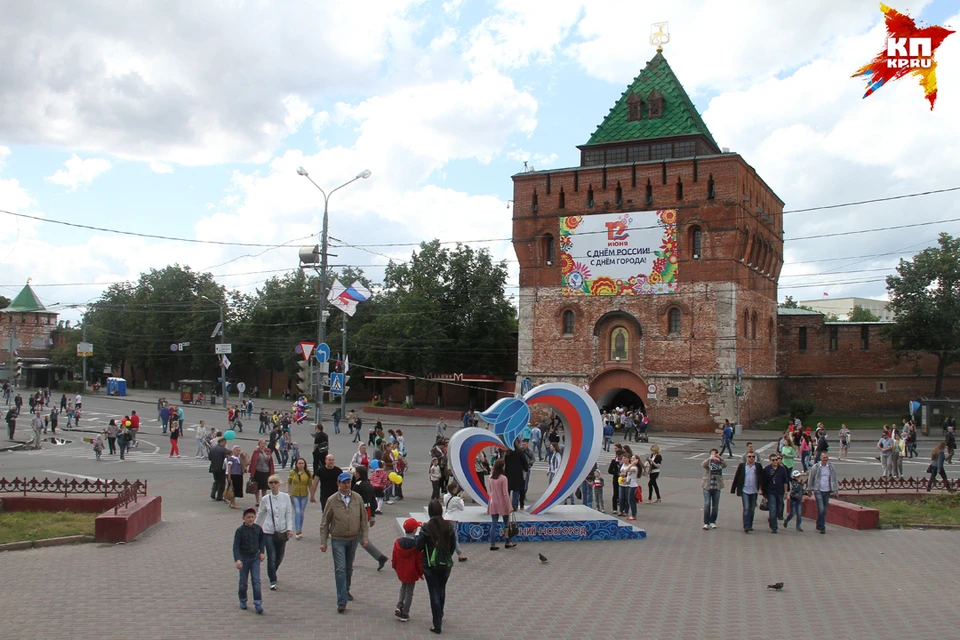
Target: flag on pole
<point x="825" y="294"/>
<point x="346" y="364"/>
<point x="347" y="298"/>
<point x="225" y="361"/>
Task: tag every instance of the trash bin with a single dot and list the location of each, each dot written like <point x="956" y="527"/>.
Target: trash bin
<point x="737" y="429"/>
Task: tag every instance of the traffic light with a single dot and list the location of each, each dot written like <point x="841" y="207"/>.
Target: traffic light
<point x="738" y="390"/>
<point x="303" y="377"/>
<point x="18" y="368"/>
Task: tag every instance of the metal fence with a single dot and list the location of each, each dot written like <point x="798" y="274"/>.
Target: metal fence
<point x="895" y="484"/>
<point x="67" y="487"/>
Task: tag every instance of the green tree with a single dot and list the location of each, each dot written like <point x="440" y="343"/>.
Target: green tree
<point x="790" y="303"/>
<point x="65" y="355"/>
<point x="925" y="299"/>
<point x="4" y="302"/>
<point x="860" y="314"/>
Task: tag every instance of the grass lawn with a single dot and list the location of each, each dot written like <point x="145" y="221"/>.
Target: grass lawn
<point x="37" y="525"/>
<point x="832" y="423"/>
<point x="933" y="509"/>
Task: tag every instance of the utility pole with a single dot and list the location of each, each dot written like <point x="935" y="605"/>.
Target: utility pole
<point x="343" y="370"/>
<point x="84" y="338"/>
<point x="223" y="369"/>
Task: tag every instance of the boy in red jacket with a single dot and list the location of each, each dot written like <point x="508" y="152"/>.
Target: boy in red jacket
<point x="408" y="563"/>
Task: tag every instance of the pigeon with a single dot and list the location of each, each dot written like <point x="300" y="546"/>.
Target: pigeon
<point x="777" y="586"/>
<point x="543" y="560"/>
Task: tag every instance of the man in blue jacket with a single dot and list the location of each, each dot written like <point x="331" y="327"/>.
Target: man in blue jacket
<point x="775" y="481"/>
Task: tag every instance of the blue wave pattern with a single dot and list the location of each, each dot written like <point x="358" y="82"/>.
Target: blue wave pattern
<point x="508" y="416"/>
<point x="554" y="531"/>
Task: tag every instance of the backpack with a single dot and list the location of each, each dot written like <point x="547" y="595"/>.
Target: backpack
<point x="437" y="559"/>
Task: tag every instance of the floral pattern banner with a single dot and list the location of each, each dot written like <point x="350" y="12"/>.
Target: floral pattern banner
<point x="619" y="254"/>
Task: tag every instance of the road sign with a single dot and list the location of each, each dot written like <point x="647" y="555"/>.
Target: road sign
<point x="336" y="383"/>
<point x="652" y="389"/>
<point x="216" y="330"/>
<point x="241" y="387"/>
<point x="306" y="349"/>
<point x="224" y="348"/>
<point x="525" y="386"/>
<point x="84" y="349"/>
<point x="739" y="374"/>
<point x="323" y="352"/>
<point x="108" y="368"/>
<point x="174" y="346"/>
<point x="324" y="367"/>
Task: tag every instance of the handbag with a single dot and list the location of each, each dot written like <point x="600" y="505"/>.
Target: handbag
<point x="278" y="536"/>
<point x="512" y="529"/>
<point x="639" y="494"/>
<point x="764" y="504"/>
<point x="228" y="493"/>
<point x="931" y="468"/>
<point x="252" y="486"/>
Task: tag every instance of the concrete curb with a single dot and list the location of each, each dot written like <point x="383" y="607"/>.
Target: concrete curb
<point x="46" y="542"/>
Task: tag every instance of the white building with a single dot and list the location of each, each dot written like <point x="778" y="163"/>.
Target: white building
<point x="843" y="307"/>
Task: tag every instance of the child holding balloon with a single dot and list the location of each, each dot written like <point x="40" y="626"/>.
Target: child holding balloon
<point x="379" y="479"/>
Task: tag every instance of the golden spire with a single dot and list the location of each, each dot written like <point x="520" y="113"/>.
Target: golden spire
<point x="659" y="34"/>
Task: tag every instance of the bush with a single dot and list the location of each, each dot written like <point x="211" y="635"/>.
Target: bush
<point x="802" y="408"/>
<point x="70" y="386"/>
<point x="379" y="403"/>
<point x="407" y="405"/>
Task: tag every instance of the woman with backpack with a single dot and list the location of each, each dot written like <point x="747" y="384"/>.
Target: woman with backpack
<point x="437" y="541"/>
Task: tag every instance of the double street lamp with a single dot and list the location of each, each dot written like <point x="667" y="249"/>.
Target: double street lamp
<point x="321" y="333"/>
<point x="223" y="336"/>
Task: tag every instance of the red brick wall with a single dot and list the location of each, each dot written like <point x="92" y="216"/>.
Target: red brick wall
<point x="736" y="273"/>
<point x="30" y="328"/>
<point x="849" y="379"/>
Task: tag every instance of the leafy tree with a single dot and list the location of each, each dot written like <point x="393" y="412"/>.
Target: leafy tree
<point x="860" y="314"/>
<point x="66" y="354"/>
<point x="831" y="317"/>
<point x="925" y="299"/>
<point x="4" y="302"/>
<point x="790" y="303"/>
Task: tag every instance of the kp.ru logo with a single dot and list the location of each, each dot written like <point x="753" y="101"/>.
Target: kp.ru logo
<point x="909" y="50"/>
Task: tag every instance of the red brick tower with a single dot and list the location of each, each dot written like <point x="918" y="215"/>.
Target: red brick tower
<point x="649" y="272"/>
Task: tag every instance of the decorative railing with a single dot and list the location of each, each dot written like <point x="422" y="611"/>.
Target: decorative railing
<point x="897" y="484"/>
<point x="67" y="487"/>
<point x="129" y="495"/>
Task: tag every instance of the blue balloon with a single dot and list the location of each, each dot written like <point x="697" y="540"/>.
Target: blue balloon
<point x="374" y="464"/>
<point x="229" y="435"/>
<point x="508" y="416"/>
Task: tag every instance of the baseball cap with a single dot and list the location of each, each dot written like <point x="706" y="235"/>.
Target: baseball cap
<point x="343" y="477"/>
<point x="796" y="473"/>
<point x="410" y="525"/>
<point x="249" y="510"/>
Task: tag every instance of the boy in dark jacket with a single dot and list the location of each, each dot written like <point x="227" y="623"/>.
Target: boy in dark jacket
<point x="249" y="549"/>
<point x="408" y="563"/>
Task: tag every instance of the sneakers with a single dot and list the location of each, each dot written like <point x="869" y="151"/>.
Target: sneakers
<point x="273" y="587"/>
<point x="713" y="525"/>
<point x="382" y="561"/>
<point x="341" y="608"/>
<point x="389" y="501"/>
<point x="350" y="597"/>
<point x="397" y="612"/>
<point x="706" y="527"/>
<point x="243" y="606"/>
<point x="259" y="610"/>
<point x="404" y="618"/>
<point x="799" y="529"/>
<point x="631" y="518"/>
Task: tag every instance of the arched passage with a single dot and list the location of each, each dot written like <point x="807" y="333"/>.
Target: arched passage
<point x="619" y="387"/>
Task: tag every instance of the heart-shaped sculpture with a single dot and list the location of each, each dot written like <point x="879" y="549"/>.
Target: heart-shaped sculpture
<point x="584" y="435"/>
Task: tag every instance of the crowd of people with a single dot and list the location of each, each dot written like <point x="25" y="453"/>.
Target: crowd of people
<point x="45" y="411"/>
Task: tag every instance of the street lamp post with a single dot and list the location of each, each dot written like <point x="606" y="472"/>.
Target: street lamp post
<point x="223" y="337"/>
<point x="321" y="333"/>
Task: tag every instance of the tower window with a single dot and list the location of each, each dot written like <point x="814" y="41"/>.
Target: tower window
<point x="549" y="251"/>
<point x="655" y="101"/>
<point x="634" y="107"/>
<point x="568" y="323"/>
<point x="834" y="338"/>
<point x="618" y="198"/>
<point x="746" y="324"/>
<point x="648" y="198"/>
<point x="534" y="203"/>
<point x="696" y="239"/>
<point x="674" y="321"/>
<point x="711" y="188"/>
<point x="865" y="338"/>
<point x="563" y="199"/>
<point x="802" y="339"/>
<point x="679" y="189"/>
<point x="590" y="196"/>
<point x="753" y="326"/>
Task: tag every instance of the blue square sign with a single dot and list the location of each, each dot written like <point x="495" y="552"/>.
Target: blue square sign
<point x="336" y="383"/>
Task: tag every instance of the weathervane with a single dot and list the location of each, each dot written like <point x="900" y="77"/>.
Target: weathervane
<point x="660" y="34"/>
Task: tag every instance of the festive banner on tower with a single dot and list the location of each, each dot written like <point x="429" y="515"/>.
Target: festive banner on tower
<point x="629" y="253"/>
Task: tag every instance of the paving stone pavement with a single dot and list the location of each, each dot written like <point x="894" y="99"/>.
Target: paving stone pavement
<point x="178" y="581"/>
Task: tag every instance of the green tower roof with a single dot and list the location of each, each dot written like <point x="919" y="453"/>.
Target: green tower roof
<point x="680" y="117"/>
<point x="26" y="300"/>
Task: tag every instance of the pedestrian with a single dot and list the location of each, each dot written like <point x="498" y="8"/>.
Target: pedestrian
<point x="233" y="467"/>
<point x="218" y="453"/>
<point x="357" y="425"/>
<point x="276" y="518"/>
<point x="498" y="506"/>
<point x="726" y="442"/>
<point x="364" y="489"/>
<point x="54" y="420"/>
<point x="437" y="541"/>
<point x="774" y="482"/>
<point x="823" y="482"/>
<point x="321" y="447"/>
<point x="98" y="446"/>
<point x="435" y="475"/>
<point x="249" y="550"/>
<point x="286" y="443"/>
<point x="630" y="471"/>
<point x="299" y="484"/>
<point x="536" y="441"/>
<point x="261" y="468"/>
<point x="408" y="563"/>
<point x="482" y="467"/>
<point x="111" y="432"/>
<point x="885" y="446"/>
<point x="345" y="523"/>
<point x="951" y="441"/>
<point x="796" y="498"/>
<point x="336" y="420"/>
<point x="164" y="419"/>
<point x="360" y="458"/>
<point x="845" y="436"/>
<point x="711" y="484"/>
<point x="174" y="440"/>
<point x="805" y="451"/>
<point x="822" y="445"/>
<point x="596" y="483"/>
<point x="937" y="457"/>
<point x="896" y="455"/>
<point x="201" y="437"/>
<point x="613" y="470"/>
<point x="515" y="468"/>
<point x="122" y="441"/>
<point x="747" y="484"/>
<point x="325" y="478"/>
<point x="452" y="507"/>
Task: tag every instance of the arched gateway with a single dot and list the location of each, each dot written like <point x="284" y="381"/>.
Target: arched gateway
<point x="619" y="387"/>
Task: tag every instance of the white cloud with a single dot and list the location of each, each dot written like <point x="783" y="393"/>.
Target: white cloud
<point x="79" y="173"/>
<point x="160" y="167"/>
<point x="4" y="152"/>
<point x="533" y="160"/>
<point x="297" y="112"/>
<point x="319" y="120"/>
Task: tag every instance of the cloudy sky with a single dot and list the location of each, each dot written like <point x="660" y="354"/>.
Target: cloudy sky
<point x="183" y="119"/>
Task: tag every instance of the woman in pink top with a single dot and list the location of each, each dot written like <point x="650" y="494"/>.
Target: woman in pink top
<point x="499" y="505"/>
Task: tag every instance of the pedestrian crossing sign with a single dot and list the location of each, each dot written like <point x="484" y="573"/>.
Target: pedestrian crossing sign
<point x="336" y="383"/>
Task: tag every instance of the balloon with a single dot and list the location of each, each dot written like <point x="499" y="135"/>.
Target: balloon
<point x="229" y="435"/>
<point x="374" y="464"/>
<point x="620" y="480"/>
<point x="395" y="478"/>
<point x="128" y="424"/>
